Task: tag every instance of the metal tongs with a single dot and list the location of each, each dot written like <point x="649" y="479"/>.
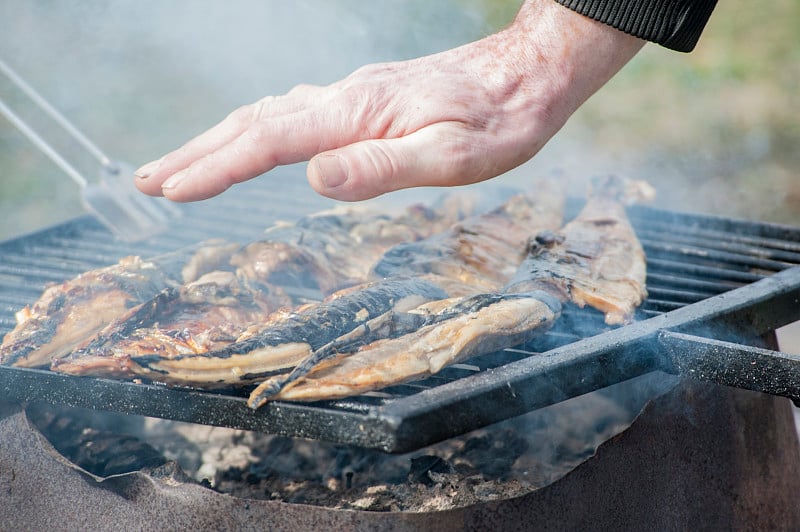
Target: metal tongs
<point x="113" y="198"/>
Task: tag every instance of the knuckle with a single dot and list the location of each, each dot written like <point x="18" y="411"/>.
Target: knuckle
<point x="256" y="146"/>
<point x="256" y="138"/>
<point x="366" y="109"/>
<point x="380" y="166"/>
<point x="243" y="115"/>
<point x="251" y="113"/>
<point x="373" y="69"/>
<point x="303" y="89"/>
<point x="382" y="160"/>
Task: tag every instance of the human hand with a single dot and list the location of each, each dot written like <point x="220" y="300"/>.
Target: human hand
<point x="457" y="117"/>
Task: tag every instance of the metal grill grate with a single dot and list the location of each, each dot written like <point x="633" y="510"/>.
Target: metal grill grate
<point x="691" y="259"/>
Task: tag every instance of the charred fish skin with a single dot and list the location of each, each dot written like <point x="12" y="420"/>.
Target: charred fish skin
<point x="388" y="325"/>
<point x="180" y="311"/>
<point x="212" y="311"/>
<point x="596" y="259"/>
<point x="482" y="251"/>
<point x="494" y="322"/>
<point x="69" y="312"/>
<point x="301" y="332"/>
<point x="325" y="322"/>
<point x="392" y="325"/>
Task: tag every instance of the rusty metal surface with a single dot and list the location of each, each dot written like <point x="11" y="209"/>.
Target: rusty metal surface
<point x="699" y="457"/>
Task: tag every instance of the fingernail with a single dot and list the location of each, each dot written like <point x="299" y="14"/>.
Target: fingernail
<point x="332" y="170"/>
<point x="174" y="181"/>
<point x="147" y="169"/>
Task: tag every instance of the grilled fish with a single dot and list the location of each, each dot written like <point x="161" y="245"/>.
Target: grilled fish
<point x="596" y="259"/>
<point x="69" y="313"/>
<point x="482" y="252"/>
<point x="326" y="252"/>
<point x="207" y="314"/>
<point x="287" y="340"/>
<point x="475" y="325"/>
<point x="318" y="253"/>
<point x="476" y="255"/>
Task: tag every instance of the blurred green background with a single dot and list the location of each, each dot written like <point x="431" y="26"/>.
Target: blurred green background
<point x="716" y="131"/>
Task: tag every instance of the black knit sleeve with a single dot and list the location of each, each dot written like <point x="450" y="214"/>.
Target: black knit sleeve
<point x="675" y="24"/>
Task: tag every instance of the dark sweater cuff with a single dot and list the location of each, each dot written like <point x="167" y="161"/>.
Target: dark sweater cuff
<point x="675" y="24"/>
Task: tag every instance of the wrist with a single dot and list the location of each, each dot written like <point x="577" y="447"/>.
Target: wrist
<point x="559" y="58"/>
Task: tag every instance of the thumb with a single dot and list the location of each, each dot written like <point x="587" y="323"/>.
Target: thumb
<point x="437" y="155"/>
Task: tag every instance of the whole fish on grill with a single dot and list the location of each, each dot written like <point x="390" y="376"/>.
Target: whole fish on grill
<point x="206" y="314"/>
<point x="475" y="325"/>
<point x="482" y="252"/>
<point x="288" y="339"/>
<point x="69" y="313"/>
<point x="596" y="259"/>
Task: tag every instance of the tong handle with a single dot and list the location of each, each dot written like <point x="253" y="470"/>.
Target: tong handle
<point x="59" y="119"/>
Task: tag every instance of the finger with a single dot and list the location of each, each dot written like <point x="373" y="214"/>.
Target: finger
<point x="150" y="177"/>
<point x="443" y="154"/>
<point x="263" y="146"/>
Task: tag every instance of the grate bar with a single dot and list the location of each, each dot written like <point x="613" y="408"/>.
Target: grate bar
<point x="716" y="227"/>
<point x="733" y="364"/>
<point x="674" y="281"/>
<point x="764" y="248"/>
<point x="702" y="271"/>
<point x="661" y="305"/>
<point x="677" y="296"/>
<point x="713" y="255"/>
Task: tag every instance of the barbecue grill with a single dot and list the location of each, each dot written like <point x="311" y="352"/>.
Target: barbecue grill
<point x="716" y="286"/>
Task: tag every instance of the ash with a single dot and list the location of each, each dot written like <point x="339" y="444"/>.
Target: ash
<point x="503" y="461"/>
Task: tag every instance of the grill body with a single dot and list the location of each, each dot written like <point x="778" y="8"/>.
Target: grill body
<point x="700" y="457"/>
